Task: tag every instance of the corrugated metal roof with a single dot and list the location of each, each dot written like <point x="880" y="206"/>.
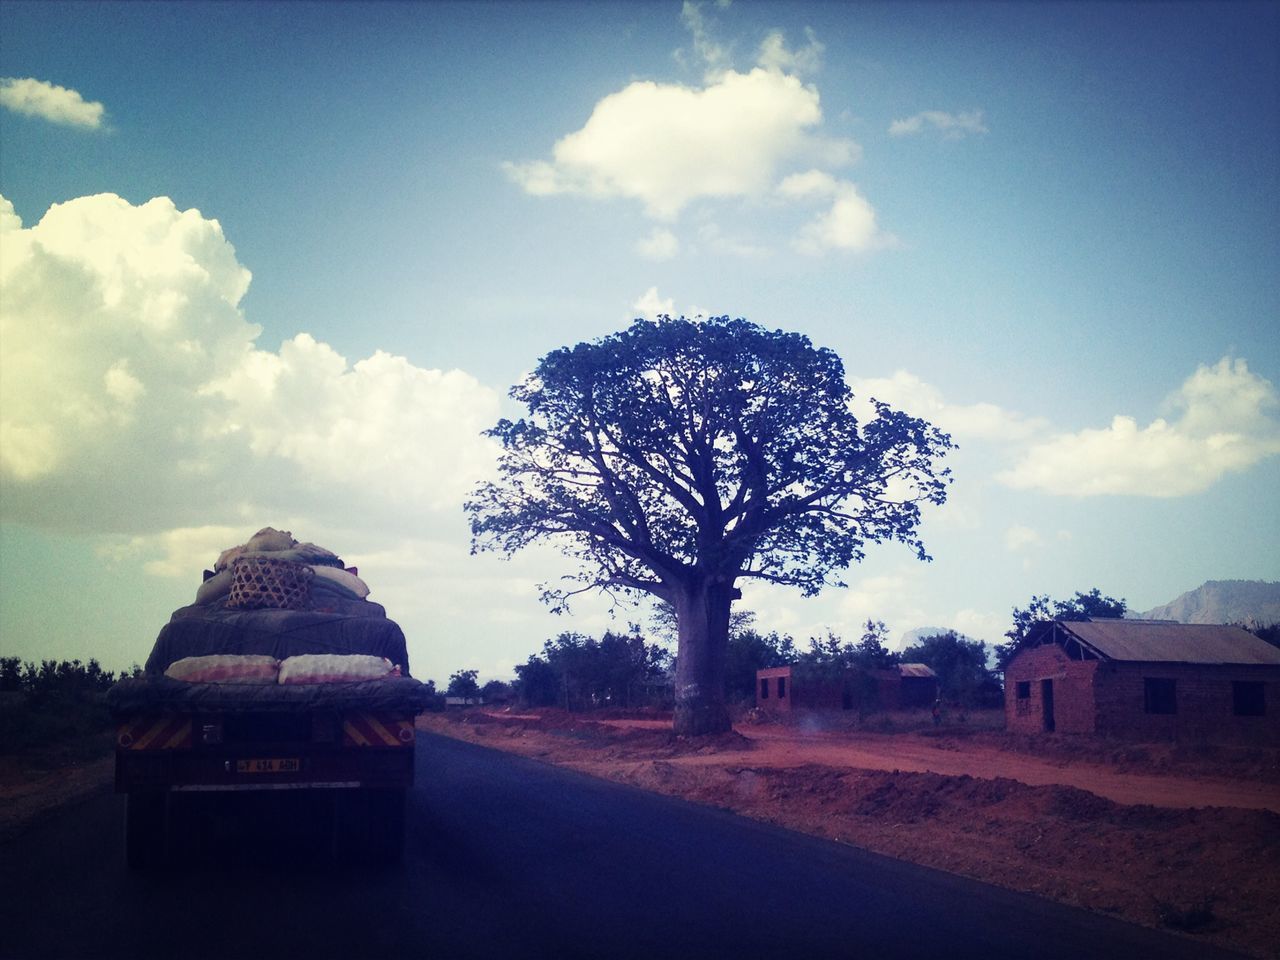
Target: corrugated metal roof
<point x="1163" y="641"/>
<point x="915" y="670"/>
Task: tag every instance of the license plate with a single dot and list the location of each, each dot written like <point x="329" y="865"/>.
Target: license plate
<point x="275" y="765"/>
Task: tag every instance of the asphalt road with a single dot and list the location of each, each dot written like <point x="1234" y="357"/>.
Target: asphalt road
<point x="508" y="858"/>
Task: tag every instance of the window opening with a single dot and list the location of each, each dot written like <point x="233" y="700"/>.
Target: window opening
<point x="1160" y="695"/>
<point x="1249" y="698"/>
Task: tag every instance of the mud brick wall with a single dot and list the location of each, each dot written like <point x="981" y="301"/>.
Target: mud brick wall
<point x="771" y="675"/>
<point x="1205" y="705"/>
<point x="1073" y="696"/>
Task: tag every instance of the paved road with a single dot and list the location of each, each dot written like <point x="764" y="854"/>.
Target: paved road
<point x="508" y="858"/>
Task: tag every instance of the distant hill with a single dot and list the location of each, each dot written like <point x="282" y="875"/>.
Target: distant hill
<point x="1223" y="601"/>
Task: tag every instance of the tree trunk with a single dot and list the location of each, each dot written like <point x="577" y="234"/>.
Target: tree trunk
<point x="702" y="626"/>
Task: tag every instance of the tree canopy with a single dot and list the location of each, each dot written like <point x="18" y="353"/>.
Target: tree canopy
<point x="1082" y="606"/>
<point x="678" y="458"/>
<point x="578" y="672"/>
<point x="961" y="665"/>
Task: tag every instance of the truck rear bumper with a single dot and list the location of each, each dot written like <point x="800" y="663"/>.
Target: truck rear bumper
<point x="197" y="771"/>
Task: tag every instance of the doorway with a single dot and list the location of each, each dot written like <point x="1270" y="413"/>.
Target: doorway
<point x="1046" y="701"/>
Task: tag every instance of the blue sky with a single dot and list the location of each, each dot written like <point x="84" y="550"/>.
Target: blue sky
<point x="278" y="264"/>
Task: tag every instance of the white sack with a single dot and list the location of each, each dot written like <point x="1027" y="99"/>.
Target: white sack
<point x="225" y="668"/>
<point x="336" y="668"/>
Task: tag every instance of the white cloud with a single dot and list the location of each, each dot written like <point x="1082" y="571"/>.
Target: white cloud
<point x="850" y="224"/>
<point x="714" y="57"/>
<point x="774" y="54"/>
<point x="133" y="399"/>
<point x="650" y="306"/>
<point x="1019" y="537"/>
<point x="893" y="598"/>
<point x="1224" y="424"/>
<point x="952" y="126"/>
<point x="660" y="244"/>
<point x="988" y="627"/>
<point x="976" y="421"/>
<point x="48" y="101"/>
<point x="668" y="145"/>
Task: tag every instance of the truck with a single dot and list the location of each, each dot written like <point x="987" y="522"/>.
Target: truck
<point x="350" y="744"/>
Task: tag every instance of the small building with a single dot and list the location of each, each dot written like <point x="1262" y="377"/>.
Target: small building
<point x="807" y="687"/>
<point x="1145" y="679"/>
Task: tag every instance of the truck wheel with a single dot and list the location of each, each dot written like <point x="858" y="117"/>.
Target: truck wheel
<point x="145" y="826"/>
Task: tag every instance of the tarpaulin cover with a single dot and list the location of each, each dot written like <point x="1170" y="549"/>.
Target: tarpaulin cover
<point x="346" y="626"/>
<point x="165" y="695"/>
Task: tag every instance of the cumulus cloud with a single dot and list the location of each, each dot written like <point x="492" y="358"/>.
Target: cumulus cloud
<point x="975" y="421"/>
<point x="667" y="145"/>
<point x="660" y="244"/>
<point x="651" y="306"/>
<point x="1223" y="423"/>
<point x="48" y="101"/>
<point x="952" y="126"/>
<point x="736" y="137"/>
<point x="133" y="398"/>
<point x="850" y="223"/>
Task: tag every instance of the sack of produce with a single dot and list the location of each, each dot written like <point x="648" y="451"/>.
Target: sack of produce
<point x="336" y="668"/>
<point x="225" y="668"/>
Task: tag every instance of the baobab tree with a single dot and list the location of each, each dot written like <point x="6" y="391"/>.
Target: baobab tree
<point x="679" y="458"/>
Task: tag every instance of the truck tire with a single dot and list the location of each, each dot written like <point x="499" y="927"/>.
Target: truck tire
<point x="145" y="828"/>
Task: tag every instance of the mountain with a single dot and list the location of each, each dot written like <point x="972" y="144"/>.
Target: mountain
<point x="1223" y="601"/>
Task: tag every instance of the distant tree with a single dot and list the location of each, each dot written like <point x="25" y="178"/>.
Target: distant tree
<point x="463" y="684"/>
<point x="496" y="691"/>
<point x="677" y="458"/>
<point x="10" y="674"/>
<point x="871" y="652"/>
<point x="833" y="656"/>
<point x="961" y="666"/>
<point x="537" y="683"/>
<point x="749" y="651"/>
<point x="578" y="672"/>
<point x="435" y="697"/>
<point x="1082" y="606"/>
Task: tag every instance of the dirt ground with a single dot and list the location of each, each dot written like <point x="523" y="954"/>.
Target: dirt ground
<point x="28" y="793"/>
<point x="1182" y="838"/>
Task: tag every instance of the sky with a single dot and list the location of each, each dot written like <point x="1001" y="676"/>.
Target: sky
<point x="278" y="264"/>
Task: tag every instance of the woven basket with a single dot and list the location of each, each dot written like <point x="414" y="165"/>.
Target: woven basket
<point x="266" y="582"/>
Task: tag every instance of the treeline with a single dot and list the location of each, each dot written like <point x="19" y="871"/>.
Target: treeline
<point x="627" y="671"/>
<point x="69" y="678"/>
<point x="577" y="672"/>
<point x="54" y="711"/>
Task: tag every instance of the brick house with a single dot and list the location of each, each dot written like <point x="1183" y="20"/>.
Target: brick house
<point x="802" y="687"/>
<point x="1145" y="679"/>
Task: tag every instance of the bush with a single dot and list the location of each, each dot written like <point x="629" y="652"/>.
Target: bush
<point x="54" y="713"/>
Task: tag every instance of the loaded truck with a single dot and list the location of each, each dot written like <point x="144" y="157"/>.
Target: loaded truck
<point x="301" y="689"/>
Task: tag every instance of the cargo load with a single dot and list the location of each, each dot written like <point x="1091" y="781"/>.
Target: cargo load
<point x="282" y="675"/>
